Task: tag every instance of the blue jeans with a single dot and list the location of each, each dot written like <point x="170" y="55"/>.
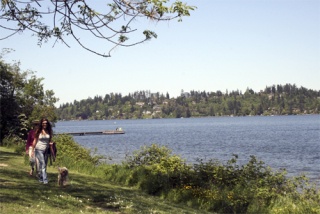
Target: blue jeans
<point x="42" y="157"/>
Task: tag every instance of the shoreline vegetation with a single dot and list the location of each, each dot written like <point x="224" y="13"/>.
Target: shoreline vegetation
<point x="20" y="193"/>
<point x="271" y="115"/>
<point x="285" y="99"/>
<point x="151" y="180"/>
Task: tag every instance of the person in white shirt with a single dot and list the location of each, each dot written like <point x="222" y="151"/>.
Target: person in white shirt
<point x="41" y="143"/>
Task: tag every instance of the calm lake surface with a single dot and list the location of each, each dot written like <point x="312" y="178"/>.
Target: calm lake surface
<point x="290" y="142"/>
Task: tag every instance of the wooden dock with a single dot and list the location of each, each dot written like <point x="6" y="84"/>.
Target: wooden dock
<point x="107" y="132"/>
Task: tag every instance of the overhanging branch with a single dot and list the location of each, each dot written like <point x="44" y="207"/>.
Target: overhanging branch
<point x="59" y="19"/>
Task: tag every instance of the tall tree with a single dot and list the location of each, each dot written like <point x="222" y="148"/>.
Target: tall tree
<point x="112" y="21"/>
<point x="23" y="99"/>
<point x="11" y="83"/>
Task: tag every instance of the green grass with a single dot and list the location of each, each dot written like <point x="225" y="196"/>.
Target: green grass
<point x="21" y="193"/>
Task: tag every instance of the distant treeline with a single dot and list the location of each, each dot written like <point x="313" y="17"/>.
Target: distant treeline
<point x="273" y="100"/>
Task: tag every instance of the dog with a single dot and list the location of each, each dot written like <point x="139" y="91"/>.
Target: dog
<point x="62" y="176"/>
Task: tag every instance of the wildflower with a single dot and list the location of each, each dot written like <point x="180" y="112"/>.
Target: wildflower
<point x="188" y="187"/>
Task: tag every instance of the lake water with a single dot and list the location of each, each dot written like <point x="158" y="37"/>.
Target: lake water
<point x="290" y="142"/>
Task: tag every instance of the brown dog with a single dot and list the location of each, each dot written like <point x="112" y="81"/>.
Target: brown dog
<point x="62" y="176"/>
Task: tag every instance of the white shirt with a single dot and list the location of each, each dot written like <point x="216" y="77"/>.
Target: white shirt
<point x="43" y="142"/>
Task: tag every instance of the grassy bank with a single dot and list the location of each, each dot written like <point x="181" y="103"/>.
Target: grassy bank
<point x="20" y="193"/>
<point x="151" y="180"/>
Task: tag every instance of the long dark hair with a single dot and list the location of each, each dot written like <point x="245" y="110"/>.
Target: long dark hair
<point x="48" y="128"/>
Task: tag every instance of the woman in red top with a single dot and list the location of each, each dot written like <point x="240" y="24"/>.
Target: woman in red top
<point x="30" y="139"/>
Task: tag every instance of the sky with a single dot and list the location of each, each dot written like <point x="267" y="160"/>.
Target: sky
<point x="224" y="45"/>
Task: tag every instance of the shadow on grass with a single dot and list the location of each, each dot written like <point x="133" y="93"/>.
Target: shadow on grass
<point x="7" y="155"/>
<point x="17" y="187"/>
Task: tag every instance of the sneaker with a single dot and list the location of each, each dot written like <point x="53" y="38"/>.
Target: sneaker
<point x="40" y="181"/>
<point x="45" y="182"/>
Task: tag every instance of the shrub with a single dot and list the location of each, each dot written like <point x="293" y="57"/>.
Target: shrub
<point x="147" y="155"/>
<point x="213" y="186"/>
<point x="73" y="156"/>
<point x="15" y="142"/>
<point x="155" y="170"/>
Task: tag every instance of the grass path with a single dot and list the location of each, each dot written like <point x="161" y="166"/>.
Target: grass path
<point x="21" y="193"/>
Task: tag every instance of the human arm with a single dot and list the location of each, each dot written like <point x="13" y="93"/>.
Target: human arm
<point x="34" y="143"/>
<point x="29" y="141"/>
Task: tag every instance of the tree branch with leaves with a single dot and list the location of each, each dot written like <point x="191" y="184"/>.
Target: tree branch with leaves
<point x="113" y="22"/>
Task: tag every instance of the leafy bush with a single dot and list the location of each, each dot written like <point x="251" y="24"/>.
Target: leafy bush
<point x="73" y="156"/>
<point x="232" y="188"/>
<point x="160" y="177"/>
<point x="14" y="141"/>
<point x="155" y="170"/>
<point x="147" y="155"/>
<point x="213" y="186"/>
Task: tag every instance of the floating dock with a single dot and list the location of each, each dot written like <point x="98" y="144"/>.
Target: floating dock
<point x="107" y="132"/>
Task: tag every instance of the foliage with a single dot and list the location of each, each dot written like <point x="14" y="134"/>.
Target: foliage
<point x="154" y="169"/>
<point x="283" y="204"/>
<point x="85" y="193"/>
<point x="71" y="154"/>
<point x="111" y="23"/>
<point x="148" y="155"/>
<point x="208" y="186"/>
<point x="274" y="100"/>
<point x="14" y="142"/>
<point x="23" y="99"/>
<point x="213" y="186"/>
<point x="161" y="177"/>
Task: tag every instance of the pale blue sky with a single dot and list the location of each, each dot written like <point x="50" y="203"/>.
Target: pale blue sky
<point x="225" y="44"/>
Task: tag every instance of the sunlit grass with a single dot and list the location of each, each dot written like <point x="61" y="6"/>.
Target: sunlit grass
<point x="151" y="181"/>
<point x="20" y="193"/>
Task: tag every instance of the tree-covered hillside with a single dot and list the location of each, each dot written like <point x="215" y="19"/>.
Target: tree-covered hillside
<point x="285" y="99"/>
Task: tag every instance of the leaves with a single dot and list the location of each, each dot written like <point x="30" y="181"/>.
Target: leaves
<point x="149" y="34"/>
<point x="23" y="99"/>
<point x="86" y="19"/>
